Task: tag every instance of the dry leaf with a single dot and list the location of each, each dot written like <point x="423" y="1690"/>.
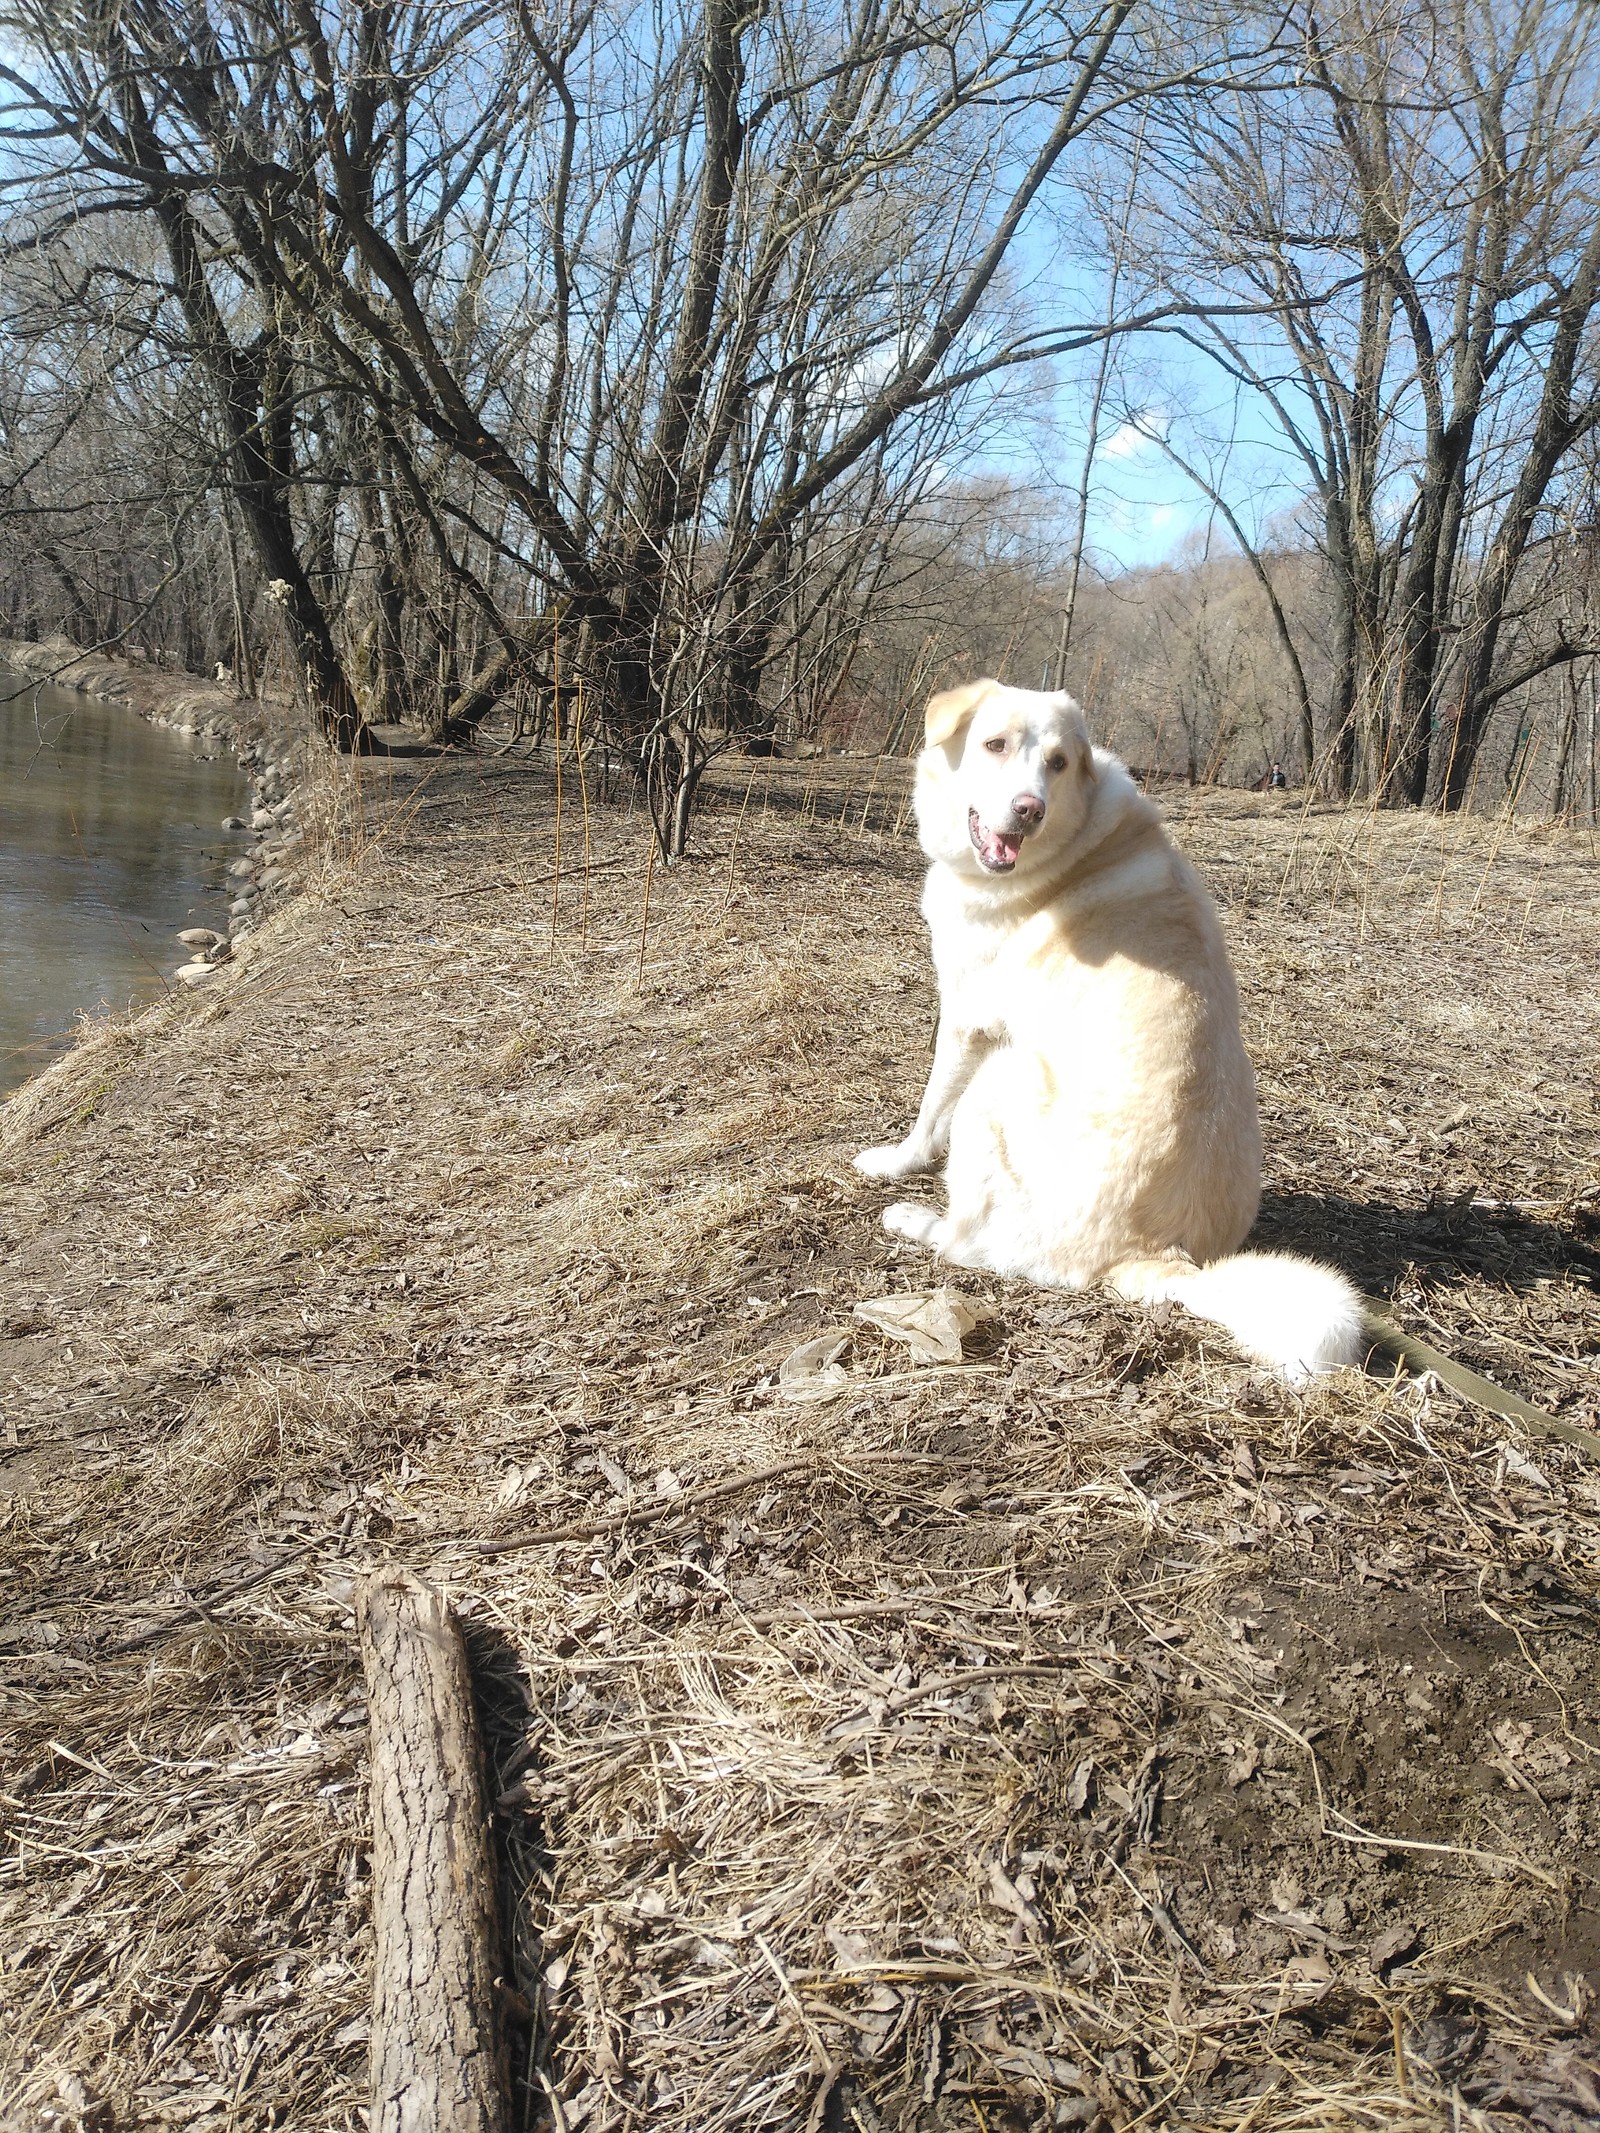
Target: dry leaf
<point x="615" y="1474"/>
<point x="812" y="1371"/>
<point x="1007" y="1896"/>
<point x="1245" y="1764"/>
<point x="1391" y="1944"/>
<point x="850" y="1949"/>
<point x="932" y="1323"/>
<point x="1522" y="1467"/>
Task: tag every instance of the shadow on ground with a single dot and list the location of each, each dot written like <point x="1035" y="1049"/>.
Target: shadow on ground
<point x="1377" y="1243"/>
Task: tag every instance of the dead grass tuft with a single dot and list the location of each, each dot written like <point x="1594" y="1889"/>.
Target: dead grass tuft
<point x="74" y="1088"/>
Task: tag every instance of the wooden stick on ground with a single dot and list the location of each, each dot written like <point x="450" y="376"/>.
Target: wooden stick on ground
<point x="436" y="2063"/>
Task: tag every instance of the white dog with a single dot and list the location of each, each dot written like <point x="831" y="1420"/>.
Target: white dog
<point x="1090" y="1097"/>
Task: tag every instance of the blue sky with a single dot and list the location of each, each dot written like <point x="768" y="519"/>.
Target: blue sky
<point x="1142" y="508"/>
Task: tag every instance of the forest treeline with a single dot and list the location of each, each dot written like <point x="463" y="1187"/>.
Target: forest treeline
<point x="642" y="370"/>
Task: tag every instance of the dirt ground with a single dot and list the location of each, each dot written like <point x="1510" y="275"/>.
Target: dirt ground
<point x="1092" y="1734"/>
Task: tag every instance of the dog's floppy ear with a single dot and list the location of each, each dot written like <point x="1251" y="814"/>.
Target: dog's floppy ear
<point x="1082" y="746"/>
<point x="949" y="711"/>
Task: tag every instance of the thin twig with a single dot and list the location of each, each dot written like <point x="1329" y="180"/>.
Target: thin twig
<point x="555" y="874"/>
<point x="644" y="916"/>
<point x="733" y="849"/>
<point x="203" y="1604"/>
<point x="625" y="1520"/>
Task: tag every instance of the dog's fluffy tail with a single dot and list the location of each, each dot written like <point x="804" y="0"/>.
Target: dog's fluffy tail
<point x="1292" y="1314"/>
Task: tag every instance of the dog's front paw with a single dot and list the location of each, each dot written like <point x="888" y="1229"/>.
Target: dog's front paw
<point x="903" y="1160"/>
<point x="911" y="1220"/>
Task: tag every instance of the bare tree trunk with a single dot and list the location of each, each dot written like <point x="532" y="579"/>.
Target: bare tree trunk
<point x="1565" y="747"/>
<point x="1556" y="426"/>
<point x="81" y="625"/>
<point x="244" y="658"/>
<point x="251" y="401"/>
<point x="437" y="2066"/>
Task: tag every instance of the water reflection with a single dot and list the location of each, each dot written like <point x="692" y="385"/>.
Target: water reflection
<point x="109" y="843"/>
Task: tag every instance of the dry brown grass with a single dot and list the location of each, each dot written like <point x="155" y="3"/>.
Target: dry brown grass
<point x="1097" y="1734"/>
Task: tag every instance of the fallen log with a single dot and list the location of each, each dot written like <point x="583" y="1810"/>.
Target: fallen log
<point x="436" y="2056"/>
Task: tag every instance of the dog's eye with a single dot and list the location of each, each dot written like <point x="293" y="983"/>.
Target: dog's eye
<point x="1055" y="764"/>
<point x="996" y="744"/>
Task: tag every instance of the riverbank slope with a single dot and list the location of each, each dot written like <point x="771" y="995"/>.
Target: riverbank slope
<point x="1094" y="1733"/>
<point x="163" y="695"/>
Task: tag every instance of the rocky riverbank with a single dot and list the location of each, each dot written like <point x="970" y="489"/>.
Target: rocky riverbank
<point x="263" y="873"/>
<point x="261" y="732"/>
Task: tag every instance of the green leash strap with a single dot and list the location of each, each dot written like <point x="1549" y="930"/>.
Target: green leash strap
<point x="1405" y="1349"/>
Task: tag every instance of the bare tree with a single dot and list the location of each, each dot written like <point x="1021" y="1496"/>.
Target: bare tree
<point x="1417" y="212"/>
<point x="515" y="314"/>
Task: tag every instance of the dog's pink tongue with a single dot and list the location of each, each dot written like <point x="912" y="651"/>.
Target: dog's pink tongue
<point x="999" y="849"/>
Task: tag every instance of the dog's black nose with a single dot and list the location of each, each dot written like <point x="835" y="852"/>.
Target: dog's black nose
<point x="1026" y="807"/>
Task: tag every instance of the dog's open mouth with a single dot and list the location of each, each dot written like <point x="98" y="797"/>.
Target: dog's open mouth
<point x="996" y="849"/>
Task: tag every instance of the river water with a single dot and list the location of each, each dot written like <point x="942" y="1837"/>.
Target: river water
<point x="110" y="842"/>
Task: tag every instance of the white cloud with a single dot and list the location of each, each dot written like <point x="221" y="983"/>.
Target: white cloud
<point x="1147" y="427"/>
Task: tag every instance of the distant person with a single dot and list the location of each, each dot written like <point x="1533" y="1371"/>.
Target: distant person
<point x="1276" y="781"/>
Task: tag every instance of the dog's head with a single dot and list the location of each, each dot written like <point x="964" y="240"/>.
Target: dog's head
<point x="1005" y="777"/>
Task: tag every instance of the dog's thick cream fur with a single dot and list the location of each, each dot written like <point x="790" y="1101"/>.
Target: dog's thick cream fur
<point x="1090" y="1097"/>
